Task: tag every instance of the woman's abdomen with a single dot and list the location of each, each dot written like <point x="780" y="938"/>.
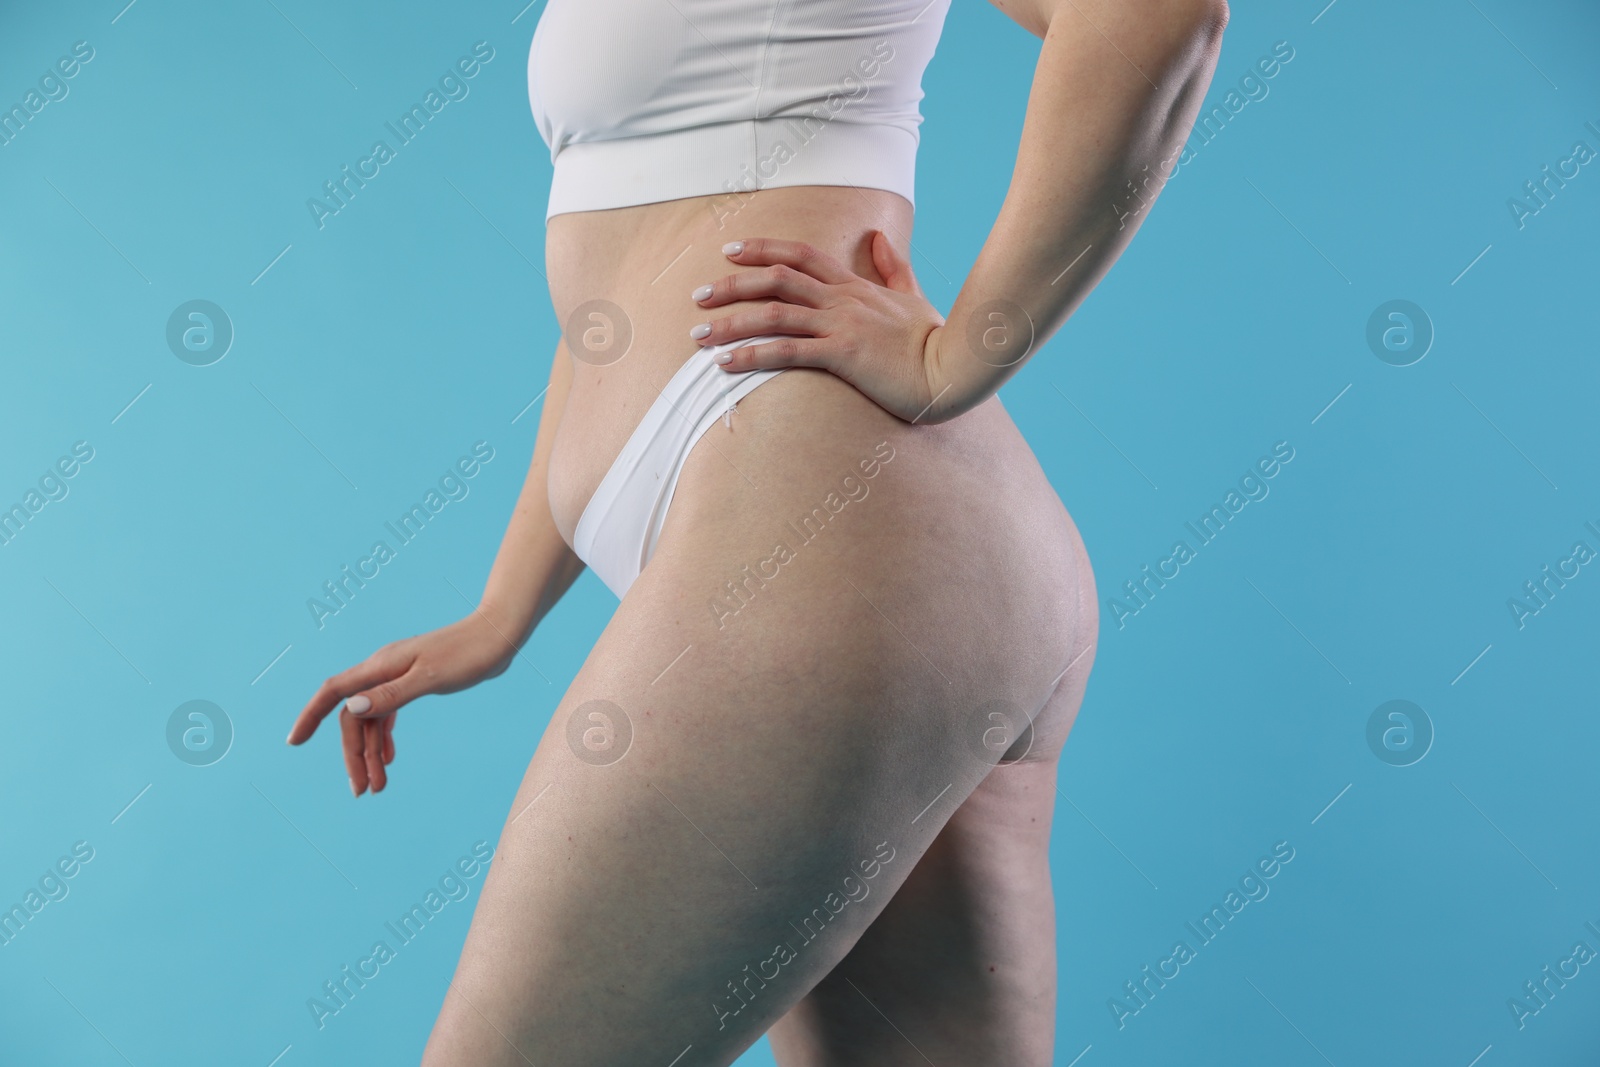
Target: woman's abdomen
<point x="620" y="282"/>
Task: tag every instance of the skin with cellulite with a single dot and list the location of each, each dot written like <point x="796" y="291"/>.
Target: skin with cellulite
<point x="830" y="819"/>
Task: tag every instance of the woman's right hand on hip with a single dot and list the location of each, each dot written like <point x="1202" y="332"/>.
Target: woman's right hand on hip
<point x="446" y="660"/>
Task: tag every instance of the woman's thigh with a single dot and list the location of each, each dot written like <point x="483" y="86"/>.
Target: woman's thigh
<point x="747" y="768"/>
<point x="960" y="967"/>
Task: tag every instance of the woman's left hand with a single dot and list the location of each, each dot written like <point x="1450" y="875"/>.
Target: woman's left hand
<point x="882" y="339"/>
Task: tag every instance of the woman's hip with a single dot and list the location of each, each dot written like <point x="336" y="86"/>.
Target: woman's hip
<point x="815" y="498"/>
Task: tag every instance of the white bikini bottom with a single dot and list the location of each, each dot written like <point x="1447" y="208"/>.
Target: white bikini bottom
<point x="617" y="532"/>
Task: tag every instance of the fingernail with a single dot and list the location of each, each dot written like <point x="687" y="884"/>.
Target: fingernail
<point x="701" y="331"/>
<point x="700" y="293"/>
<point x="358" y="705"/>
<point x="733" y="248"/>
<point x="725" y="358"/>
<point x="289" y="740"/>
<point x="353" y="790"/>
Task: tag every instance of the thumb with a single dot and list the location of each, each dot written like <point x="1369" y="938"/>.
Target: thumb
<point x="381" y="699"/>
<point x="894" y="268"/>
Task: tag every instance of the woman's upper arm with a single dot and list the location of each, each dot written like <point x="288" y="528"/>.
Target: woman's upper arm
<point x="1035" y="16"/>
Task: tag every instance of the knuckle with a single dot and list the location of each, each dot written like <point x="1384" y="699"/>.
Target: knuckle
<point x="393" y="653"/>
<point x="772" y="313"/>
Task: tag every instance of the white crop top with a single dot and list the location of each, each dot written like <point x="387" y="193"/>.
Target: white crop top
<point x="641" y="101"/>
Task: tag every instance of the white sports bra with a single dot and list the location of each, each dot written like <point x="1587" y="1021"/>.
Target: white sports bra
<point x="641" y="101"/>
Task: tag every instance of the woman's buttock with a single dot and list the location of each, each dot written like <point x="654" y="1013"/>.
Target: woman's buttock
<point x="828" y="537"/>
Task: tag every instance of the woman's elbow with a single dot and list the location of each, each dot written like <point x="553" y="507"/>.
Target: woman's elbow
<point x="1171" y="31"/>
<point x="1207" y="18"/>
<point x="1190" y="28"/>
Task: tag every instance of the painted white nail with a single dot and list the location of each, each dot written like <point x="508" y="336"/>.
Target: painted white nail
<point x="700" y="293"/>
<point x="701" y="331"/>
<point x="733" y="248"/>
<point x="358" y="705"/>
<point x="725" y="358"/>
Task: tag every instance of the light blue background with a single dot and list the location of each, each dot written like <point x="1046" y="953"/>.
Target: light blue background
<point x="1223" y="718"/>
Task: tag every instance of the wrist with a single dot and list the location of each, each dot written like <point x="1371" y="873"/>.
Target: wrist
<point x="957" y="381"/>
<point x="510" y="619"/>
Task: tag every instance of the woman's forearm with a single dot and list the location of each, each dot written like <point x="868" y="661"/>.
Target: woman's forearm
<point x="1115" y="92"/>
<point x="534" y="566"/>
